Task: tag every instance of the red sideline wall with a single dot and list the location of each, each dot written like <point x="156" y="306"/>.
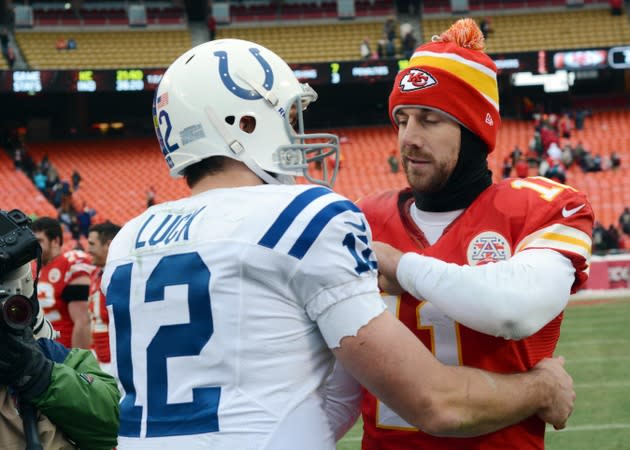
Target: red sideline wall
<point x="609" y="272"/>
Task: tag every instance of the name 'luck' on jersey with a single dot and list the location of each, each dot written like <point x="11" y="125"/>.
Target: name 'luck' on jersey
<point x="508" y="217"/>
<point x="214" y="302"/>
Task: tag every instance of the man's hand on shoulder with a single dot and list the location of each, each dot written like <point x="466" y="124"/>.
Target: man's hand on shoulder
<point x="388" y="258"/>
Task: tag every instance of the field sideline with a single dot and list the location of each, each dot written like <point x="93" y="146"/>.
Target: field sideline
<point x="595" y="340"/>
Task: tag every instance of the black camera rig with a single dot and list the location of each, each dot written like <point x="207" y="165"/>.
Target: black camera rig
<point x="18" y="247"/>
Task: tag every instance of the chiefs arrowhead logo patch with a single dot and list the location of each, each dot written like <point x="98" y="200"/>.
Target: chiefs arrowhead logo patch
<point x="416" y="79"/>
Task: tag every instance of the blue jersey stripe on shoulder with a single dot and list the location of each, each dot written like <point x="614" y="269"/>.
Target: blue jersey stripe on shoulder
<point x="286" y="217"/>
<point x="317" y="224"/>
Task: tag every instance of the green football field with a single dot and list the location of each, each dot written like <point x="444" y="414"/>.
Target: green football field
<point x="595" y="340"/>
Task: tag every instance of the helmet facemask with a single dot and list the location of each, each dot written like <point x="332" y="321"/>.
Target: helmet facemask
<point x="307" y="153"/>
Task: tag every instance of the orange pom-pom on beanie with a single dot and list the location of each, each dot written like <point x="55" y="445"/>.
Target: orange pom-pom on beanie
<point x="452" y="74"/>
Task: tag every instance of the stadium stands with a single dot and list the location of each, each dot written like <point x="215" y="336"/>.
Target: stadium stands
<point x="312" y="42"/>
<point x="19" y="192"/>
<point x="117" y="173"/>
<point x="103" y="49"/>
<point x="566" y="29"/>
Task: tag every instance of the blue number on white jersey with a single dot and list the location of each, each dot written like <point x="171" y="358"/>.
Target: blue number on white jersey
<point x="163" y="419"/>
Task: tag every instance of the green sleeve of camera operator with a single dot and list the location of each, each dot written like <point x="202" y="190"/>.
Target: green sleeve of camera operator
<point x="82" y="400"/>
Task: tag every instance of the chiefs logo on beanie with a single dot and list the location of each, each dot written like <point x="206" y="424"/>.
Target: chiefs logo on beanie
<point x="452" y="74"/>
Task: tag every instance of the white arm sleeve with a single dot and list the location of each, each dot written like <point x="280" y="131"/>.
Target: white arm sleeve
<point x="343" y="400"/>
<point x="512" y="299"/>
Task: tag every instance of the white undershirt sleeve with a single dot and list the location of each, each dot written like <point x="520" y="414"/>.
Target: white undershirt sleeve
<point x="511" y="299"/>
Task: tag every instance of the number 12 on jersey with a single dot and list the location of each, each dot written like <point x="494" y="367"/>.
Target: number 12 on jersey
<point x="157" y="417"/>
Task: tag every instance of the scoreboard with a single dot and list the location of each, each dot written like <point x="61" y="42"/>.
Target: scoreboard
<point x="122" y="80"/>
<point x="330" y="73"/>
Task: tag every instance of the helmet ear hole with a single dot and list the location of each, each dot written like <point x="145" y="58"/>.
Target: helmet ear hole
<point x="230" y="120"/>
<point x="247" y="124"/>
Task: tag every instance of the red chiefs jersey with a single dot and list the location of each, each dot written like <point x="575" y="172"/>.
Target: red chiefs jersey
<point x="99" y="318"/>
<point x="508" y="217"/>
<point x="53" y="279"/>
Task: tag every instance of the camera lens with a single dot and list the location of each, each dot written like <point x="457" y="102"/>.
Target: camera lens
<point x="17" y="312"/>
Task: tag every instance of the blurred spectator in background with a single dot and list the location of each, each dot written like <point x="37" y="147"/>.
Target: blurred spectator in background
<point x="486" y="26"/>
<point x="408" y="40"/>
<point x="521" y="167"/>
<point x="548" y="135"/>
<point x="624" y="221"/>
<point x="597" y="164"/>
<point x="507" y="166"/>
<point x="10" y="57"/>
<point x="150" y="197"/>
<point x="580" y="115"/>
<point x="364" y="49"/>
<point x="615" y="161"/>
<point x="72" y="44"/>
<point x="613" y="237"/>
<point x="44" y="164"/>
<point x="389" y="28"/>
<point x="600" y="239"/>
<point x="212" y="27"/>
<point x="556" y="172"/>
<point x="40" y="180"/>
<point x="61" y="44"/>
<point x="616" y="7"/>
<point x="394" y="163"/>
<point x="565" y="126"/>
<point x="84" y="218"/>
<point x="535" y="145"/>
<point x="4" y="40"/>
<point x="567" y="156"/>
<point x="18" y="155"/>
<point x="554" y="152"/>
<point x="516" y="154"/>
<point x="76" y="179"/>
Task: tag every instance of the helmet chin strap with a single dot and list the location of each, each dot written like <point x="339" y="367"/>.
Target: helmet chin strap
<point x="237" y="148"/>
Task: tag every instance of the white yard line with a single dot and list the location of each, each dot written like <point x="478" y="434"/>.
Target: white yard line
<point x="603" y="384"/>
<point x="593" y="427"/>
<point x="597" y="360"/>
<point x="595" y="342"/>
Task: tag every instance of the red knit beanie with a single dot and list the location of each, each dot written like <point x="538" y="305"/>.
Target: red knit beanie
<point x="452" y="74"/>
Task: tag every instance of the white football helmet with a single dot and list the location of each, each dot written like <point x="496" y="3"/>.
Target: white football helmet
<point x="204" y="95"/>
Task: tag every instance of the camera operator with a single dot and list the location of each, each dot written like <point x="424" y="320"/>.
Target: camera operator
<point x="75" y="402"/>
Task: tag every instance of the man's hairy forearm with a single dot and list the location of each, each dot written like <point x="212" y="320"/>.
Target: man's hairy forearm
<point x="483" y="402"/>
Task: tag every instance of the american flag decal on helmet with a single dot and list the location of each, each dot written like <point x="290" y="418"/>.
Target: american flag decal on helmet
<point x="162" y="100"/>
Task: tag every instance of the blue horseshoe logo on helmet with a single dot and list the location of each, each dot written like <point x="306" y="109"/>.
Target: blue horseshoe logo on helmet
<point x="228" y="82"/>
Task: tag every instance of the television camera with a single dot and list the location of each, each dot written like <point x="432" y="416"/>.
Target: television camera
<point x="19" y="307"/>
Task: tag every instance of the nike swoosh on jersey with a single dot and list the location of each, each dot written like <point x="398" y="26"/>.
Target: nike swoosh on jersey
<point x="569" y="212"/>
<point x="359" y="226"/>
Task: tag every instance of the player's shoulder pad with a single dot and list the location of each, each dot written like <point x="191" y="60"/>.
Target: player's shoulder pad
<point x="307" y="215"/>
<point x="535" y="192"/>
<point x="380" y="206"/>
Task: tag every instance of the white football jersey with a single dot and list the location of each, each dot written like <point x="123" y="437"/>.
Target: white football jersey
<point x="223" y="307"/>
